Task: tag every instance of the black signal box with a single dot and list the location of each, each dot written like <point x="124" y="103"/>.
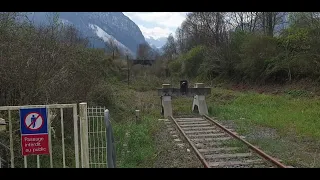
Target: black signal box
<point x="184" y="87"/>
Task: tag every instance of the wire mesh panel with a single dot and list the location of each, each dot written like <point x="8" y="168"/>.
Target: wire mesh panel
<point x="97" y="137"/>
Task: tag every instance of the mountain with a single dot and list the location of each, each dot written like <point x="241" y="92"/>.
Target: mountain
<point x="158" y="43"/>
<point x="99" y="27"/>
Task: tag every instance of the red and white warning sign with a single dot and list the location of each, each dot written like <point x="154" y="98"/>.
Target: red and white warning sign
<point x="35" y="144"/>
<point x="33" y="121"/>
<point x="34" y="131"/>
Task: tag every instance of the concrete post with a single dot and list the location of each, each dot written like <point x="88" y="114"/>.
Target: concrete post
<point x="137" y="115"/>
<point x="84" y="135"/>
<point x="166" y="103"/>
<point x="200" y="101"/>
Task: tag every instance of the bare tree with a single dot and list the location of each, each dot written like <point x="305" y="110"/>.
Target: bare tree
<point x="244" y="21"/>
<point x="170" y="48"/>
<point x="268" y="21"/>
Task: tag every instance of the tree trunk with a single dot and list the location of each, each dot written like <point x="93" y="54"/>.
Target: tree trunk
<point x="217" y="28"/>
<point x="270" y="24"/>
<point x="289" y="74"/>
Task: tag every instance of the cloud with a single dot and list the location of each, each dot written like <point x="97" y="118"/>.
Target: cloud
<point x="165" y="19"/>
<point x="154" y="32"/>
<point x="157" y="24"/>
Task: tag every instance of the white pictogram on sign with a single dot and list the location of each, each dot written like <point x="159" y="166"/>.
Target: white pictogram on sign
<point x="33" y="121"/>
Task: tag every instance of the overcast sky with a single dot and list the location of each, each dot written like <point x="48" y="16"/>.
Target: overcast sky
<point x="157" y="24"/>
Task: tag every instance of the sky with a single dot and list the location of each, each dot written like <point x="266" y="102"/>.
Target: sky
<point x="157" y="24"/>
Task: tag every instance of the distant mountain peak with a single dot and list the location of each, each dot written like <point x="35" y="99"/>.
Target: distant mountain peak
<point x="99" y="26"/>
<point x="158" y="43"/>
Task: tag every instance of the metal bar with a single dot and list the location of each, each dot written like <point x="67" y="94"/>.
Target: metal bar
<point x="96" y="132"/>
<point x="25" y="161"/>
<point x="62" y="139"/>
<point x="4" y="146"/>
<point x="81" y="109"/>
<point x="89" y="136"/>
<point x="101" y="137"/>
<point x="104" y="135"/>
<point x="98" y="139"/>
<point x="76" y="140"/>
<point x="38" y="161"/>
<point x="258" y="151"/>
<point x="98" y="163"/>
<point x="5" y="108"/>
<point x="202" y="159"/>
<point x="11" y="140"/>
<point x="50" y="140"/>
<point x="94" y="139"/>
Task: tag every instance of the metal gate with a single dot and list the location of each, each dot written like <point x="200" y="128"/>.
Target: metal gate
<point x="63" y="137"/>
<point x="97" y="135"/>
<point x="97" y="142"/>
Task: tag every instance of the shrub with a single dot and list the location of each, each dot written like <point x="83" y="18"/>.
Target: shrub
<point x="255" y="54"/>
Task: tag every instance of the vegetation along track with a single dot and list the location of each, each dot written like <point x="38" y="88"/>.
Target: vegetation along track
<point x="219" y="147"/>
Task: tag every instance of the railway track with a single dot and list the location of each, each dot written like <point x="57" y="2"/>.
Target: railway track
<point x="219" y="147"/>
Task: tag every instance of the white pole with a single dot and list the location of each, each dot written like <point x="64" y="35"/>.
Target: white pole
<point x="84" y="135"/>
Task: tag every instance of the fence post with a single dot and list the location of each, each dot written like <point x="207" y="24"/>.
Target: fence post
<point x="84" y="135"/>
<point x="111" y="150"/>
<point x="138" y="116"/>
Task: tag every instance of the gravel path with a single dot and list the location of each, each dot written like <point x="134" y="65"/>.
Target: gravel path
<point x="172" y="154"/>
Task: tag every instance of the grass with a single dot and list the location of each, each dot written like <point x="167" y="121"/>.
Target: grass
<point x="282" y="112"/>
<point x="135" y="142"/>
<point x="294" y="117"/>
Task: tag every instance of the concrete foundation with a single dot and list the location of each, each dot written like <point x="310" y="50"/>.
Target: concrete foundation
<point x="166" y="103"/>
<point x="199" y="101"/>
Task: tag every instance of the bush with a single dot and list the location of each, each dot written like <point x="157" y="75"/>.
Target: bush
<point x="255" y="54"/>
<point x="175" y="67"/>
<point x="48" y="64"/>
<point x="101" y="94"/>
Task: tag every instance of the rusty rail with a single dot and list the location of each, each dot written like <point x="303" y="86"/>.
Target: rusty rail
<point x="258" y="151"/>
<point x="202" y="159"/>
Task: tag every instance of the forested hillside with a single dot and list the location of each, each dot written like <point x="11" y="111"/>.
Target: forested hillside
<point x="249" y="47"/>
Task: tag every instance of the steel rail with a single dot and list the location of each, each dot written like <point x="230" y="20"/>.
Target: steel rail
<point x="258" y="151"/>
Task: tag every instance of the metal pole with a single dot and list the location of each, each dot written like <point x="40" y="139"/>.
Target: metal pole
<point x="11" y="140"/>
<point x="48" y="111"/>
<point x="128" y="70"/>
<point x="111" y="151"/>
<point x="76" y="136"/>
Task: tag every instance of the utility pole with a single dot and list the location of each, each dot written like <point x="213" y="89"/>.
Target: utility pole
<point x="128" y="70"/>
